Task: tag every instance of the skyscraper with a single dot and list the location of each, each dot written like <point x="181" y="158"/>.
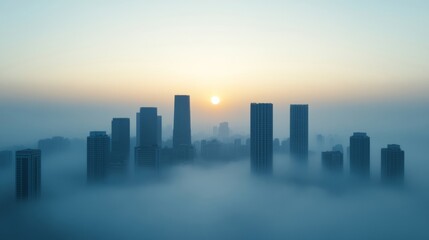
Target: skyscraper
<point x="359" y="154"/>
<point x="182" y="128"/>
<point x="98" y="155"/>
<point x="147" y="152"/>
<point x="28" y="174"/>
<point x="261" y="138"/>
<point x="332" y="161"/>
<point x="159" y="131"/>
<point x="392" y="163"/>
<point x="120" y="144"/>
<point x="299" y="131"/>
<point x="223" y="131"/>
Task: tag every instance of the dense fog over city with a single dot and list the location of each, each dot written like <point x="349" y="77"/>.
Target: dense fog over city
<point x="221" y="199"/>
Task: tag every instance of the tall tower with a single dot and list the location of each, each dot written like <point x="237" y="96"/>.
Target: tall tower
<point x="223" y="131"/>
<point x="159" y="131"/>
<point x="28" y="174"/>
<point x="261" y="138"/>
<point x="359" y="154"/>
<point x="120" y="144"/>
<point x="299" y="131"/>
<point x="98" y="155"/>
<point x="392" y="163"/>
<point x="147" y="152"/>
<point x="182" y="128"/>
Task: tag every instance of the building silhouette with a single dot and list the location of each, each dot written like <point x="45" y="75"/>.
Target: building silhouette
<point x="360" y="154"/>
<point x="332" y="161"/>
<point x="120" y="144"/>
<point x="299" y="131"/>
<point x="28" y="174"/>
<point x="159" y="131"/>
<point x="392" y="163"/>
<point x="147" y="152"/>
<point x="98" y="155"/>
<point x="223" y="131"/>
<point x="261" y="138"/>
<point x="182" y="145"/>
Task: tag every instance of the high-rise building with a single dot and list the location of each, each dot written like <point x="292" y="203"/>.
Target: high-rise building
<point x="392" y="163"/>
<point x="159" y="131"/>
<point x="98" y="155"/>
<point x="261" y="138"/>
<point x="138" y="129"/>
<point x="28" y="174"/>
<point x="223" y="131"/>
<point x="299" y="131"/>
<point x="182" y="128"/>
<point x="332" y="161"/>
<point x="120" y="144"/>
<point x="147" y="152"/>
<point x="359" y="154"/>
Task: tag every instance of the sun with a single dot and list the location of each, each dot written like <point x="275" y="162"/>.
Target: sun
<point x="215" y="100"/>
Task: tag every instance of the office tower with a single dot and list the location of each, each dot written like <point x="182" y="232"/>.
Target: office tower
<point x="6" y="158"/>
<point x="215" y="132"/>
<point x="332" y="161"/>
<point x="223" y="131"/>
<point x="285" y="146"/>
<point x="120" y="144"/>
<point x="138" y="129"/>
<point x="261" y="138"/>
<point x="28" y="174"/>
<point x="338" y="148"/>
<point x="182" y="128"/>
<point x="147" y="153"/>
<point x="159" y="131"/>
<point x="98" y="155"/>
<point x="359" y="154"/>
<point x="53" y="145"/>
<point x="299" y="131"/>
<point x="276" y="145"/>
<point x="392" y="163"/>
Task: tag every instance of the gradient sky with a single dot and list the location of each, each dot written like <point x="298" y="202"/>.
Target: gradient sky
<point x="140" y="53"/>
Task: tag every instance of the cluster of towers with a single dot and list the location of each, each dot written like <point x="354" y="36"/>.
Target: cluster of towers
<point x="261" y="135"/>
<point x="107" y="154"/>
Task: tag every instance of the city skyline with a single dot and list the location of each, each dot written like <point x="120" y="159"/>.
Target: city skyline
<point x="226" y="119"/>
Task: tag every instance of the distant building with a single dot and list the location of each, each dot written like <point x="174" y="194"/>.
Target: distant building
<point x="215" y="132"/>
<point x="332" y="161"/>
<point x="182" y="143"/>
<point x="299" y="131"/>
<point x="147" y="153"/>
<point x="261" y="138"/>
<point x="120" y="144"/>
<point x="159" y="131"/>
<point x="211" y="149"/>
<point x="53" y="145"/>
<point x="223" y="131"/>
<point x="276" y="145"/>
<point x="98" y="155"/>
<point x="285" y="146"/>
<point x="338" y="148"/>
<point x="28" y="174"/>
<point x="392" y="163"/>
<point x="6" y="158"/>
<point x="360" y="154"/>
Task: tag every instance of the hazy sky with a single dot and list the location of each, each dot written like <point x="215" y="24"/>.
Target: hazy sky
<point x="111" y="55"/>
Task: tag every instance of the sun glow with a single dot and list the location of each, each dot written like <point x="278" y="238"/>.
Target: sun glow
<point x="215" y="100"/>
